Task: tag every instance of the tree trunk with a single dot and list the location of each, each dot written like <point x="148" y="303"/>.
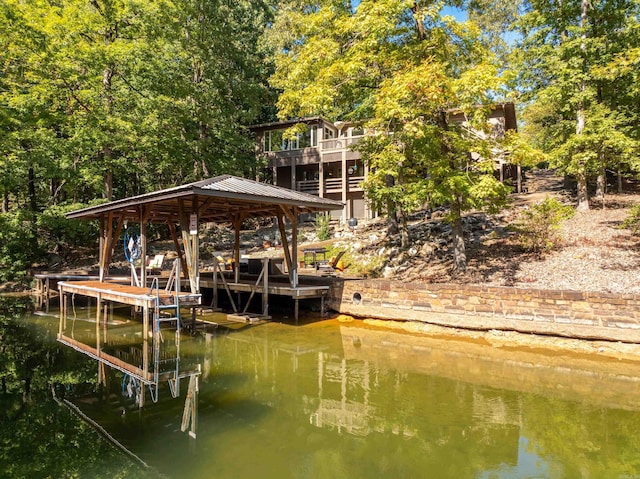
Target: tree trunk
<point x="33" y="207"/>
<point x="619" y="181"/>
<point x="392" y="216"/>
<point x="419" y="20"/>
<point x="33" y="200"/>
<point x="583" y="195"/>
<point x="457" y="237"/>
<point x="601" y="185"/>
<point x="5" y="202"/>
<point x="26" y="395"/>
<point x="107" y="153"/>
<point x="108" y="185"/>
<point x="404" y="230"/>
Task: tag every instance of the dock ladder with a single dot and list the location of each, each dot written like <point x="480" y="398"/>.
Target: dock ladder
<point x="166" y="358"/>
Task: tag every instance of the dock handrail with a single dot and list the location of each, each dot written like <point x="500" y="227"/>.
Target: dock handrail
<point x="173" y="284"/>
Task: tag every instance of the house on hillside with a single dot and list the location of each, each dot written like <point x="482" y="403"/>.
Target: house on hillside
<point x="322" y="161"/>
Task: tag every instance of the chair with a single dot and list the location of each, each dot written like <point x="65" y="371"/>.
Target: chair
<point x="155" y="265"/>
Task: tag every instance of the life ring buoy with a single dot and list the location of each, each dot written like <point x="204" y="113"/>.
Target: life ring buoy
<point x="131" y="245"/>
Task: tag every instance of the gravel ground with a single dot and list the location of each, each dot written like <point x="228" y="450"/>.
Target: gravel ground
<point x="597" y="254"/>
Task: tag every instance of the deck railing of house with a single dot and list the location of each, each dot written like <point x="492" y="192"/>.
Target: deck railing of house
<point x="339" y="143"/>
<point x="331" y="185"/>
<point x="309" y="186"/>
<point x="354" y="183"/>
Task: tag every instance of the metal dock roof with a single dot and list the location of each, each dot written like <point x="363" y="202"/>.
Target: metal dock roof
<point x="215" y="199"/>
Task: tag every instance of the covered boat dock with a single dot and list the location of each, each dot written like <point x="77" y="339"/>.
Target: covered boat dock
<point x="223" y="199"/>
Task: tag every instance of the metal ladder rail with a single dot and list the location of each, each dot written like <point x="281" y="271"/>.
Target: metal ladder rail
<point x="174" y="382"/>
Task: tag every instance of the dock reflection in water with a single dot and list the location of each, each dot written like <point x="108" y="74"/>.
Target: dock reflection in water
<point x="332" y="399"/>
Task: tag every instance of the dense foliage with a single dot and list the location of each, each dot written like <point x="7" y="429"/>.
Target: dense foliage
<point x="111" y="98"/>
<point x="578" y="69"/>
<point x="404" y="71"/>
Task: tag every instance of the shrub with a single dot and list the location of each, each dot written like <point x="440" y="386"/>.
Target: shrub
<point x="63" y="235"/>
<point x="632" y="221"/>
<point x="322" y="226"/>
<point x="16" y="245"/>
<point x="539" y="226"/>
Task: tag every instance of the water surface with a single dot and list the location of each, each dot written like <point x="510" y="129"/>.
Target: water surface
<point x="323" y="399"/>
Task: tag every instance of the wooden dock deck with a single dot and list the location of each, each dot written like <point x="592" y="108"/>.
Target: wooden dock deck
<point x="122" y="293"/>
<point x="281" y="288"/>
<point x="46" y="285"/>
<point x="265" y="285"/>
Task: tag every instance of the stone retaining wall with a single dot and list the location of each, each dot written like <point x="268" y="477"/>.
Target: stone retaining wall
<point x="564" y="313"/>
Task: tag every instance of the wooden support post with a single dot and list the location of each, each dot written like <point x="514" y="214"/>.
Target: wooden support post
<point x="108" y="239"/>
<point x="47" y="293"/>
<point x="143" y="244"/>
<point x="265" y="287"/>
<point x="345" y="187"/>
<point x="214" y="301"/>
<point x="176" y="244"/>
<point x="98" y="346"/>
<point x="519" y="178"/>
<point x="293" y="218"/>
<point x="237" y="224"/>
<point x="190" y="413"/>
<point x="104" y="265"/>
<point x="66" y="312"/>
<point x="63" y="299"/>
<point x="294" y="247"/>
<point x="145" y="350"/>
<point x="195" y="248"/>
<point x="105" y="317"/>
<point x="190" y="244"/>
<point x="285" y="243"/>
<point x="101" y="249"/>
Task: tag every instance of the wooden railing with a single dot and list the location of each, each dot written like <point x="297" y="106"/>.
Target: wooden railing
<point x="354" y="183"/>
<point x="309" y="186"/>
<point x="331" y="185"/>
<point x="339" y="143"/>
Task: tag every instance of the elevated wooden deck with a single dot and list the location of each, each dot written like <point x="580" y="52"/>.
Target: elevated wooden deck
<point x="125" y="294"/>
<point x="281" y="288"/>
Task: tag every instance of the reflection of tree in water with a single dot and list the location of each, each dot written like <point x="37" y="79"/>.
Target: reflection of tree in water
<point x="39" y="438"/>
<point x="582" y="441"/>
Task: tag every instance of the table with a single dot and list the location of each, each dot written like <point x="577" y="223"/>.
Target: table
<point x="311" y="256"/>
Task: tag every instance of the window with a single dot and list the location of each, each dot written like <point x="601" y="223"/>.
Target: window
<point x="328" y="133"/>
<point x="274" y="140"/>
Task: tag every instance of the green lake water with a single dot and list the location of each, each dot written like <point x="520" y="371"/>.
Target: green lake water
<point x="323" y="399"/>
